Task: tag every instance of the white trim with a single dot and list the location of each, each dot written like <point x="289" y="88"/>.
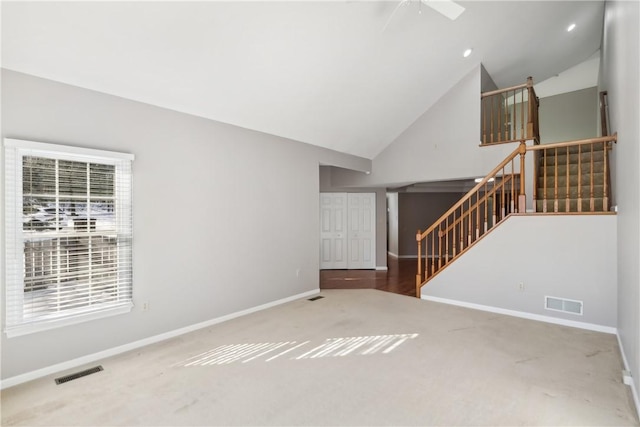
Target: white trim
<point x="17" y="321"/>
<point x="30" y="328"/>
<point x="39" y="373"/>
<point x="68" y="149"/>
<point x="634" y="390"/>
<point x="392" y="254"/>
<point x="382" y="268"/>
<point x="524" y="315"/>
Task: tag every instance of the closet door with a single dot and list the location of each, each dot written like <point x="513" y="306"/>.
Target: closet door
<point x="361" y="230"/>
<point x="347" y="230"/>
<point x="333" y="231"/>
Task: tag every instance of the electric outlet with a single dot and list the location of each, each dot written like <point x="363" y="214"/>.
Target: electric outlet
<point x="145" y="306"/>
<point x="298" y="272"/>
<point x="521" y="286"/>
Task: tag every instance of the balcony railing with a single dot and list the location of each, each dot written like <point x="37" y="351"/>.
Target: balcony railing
<point x="510" y="115"/>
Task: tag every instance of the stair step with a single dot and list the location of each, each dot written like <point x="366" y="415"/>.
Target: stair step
<point x="561" y="169"/>
<point x="585" y="192"/>
<point x="573" y="149"/>
<point x="573" y="205"/>
<point x="598" y="179"/>
<point x="561" y="158"/>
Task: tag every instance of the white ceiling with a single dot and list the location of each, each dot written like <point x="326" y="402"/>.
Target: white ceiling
<point x="319" y="72"/>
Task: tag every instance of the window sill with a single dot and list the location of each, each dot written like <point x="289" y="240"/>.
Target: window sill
<point x="30" y="328"/>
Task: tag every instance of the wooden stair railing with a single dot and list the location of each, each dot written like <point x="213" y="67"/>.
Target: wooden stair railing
<point x="497" y="195"/>
<point x="502" y="193"/>
<point x="573" y="176"/>
<point x="510" y="115"/>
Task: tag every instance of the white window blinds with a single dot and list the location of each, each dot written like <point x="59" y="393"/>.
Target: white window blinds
<point x="68" y="235"/>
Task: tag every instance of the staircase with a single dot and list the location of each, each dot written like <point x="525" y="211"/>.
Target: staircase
<point x="569" y="177"/>
<point x="573" y="178"/>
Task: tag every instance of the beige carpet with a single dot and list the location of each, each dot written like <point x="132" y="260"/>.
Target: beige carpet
<point x="355" y="357"/>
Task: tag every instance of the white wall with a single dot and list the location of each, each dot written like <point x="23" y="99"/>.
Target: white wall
<point x="223" y="216"/>
<point x="619" y="77"/>
<point x="565" y="256"/>
<point x="442" y="144"/>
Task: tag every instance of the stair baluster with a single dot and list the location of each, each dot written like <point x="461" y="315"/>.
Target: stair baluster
<point x="555" y="180"/>
<point x="592" y="206"/>
<point x="579" y="178"/>
<point x="567" y="204"/>
<point x="605" y="199"/>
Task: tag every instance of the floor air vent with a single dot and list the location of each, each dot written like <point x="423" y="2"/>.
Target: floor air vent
<point x="564" y="305"/>
<point x="316" y="298"/>
<point x="80" y="374"/>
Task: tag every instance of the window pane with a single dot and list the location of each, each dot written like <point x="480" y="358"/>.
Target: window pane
<point x="39" y="214"/>
<point x="38" y="175"/>
<point x="40" y="264"/>
<point x="72" y="178"/>
<point x="70" y="272"/>
<point x="103" y="215"/>
<point x="102" y="179"/>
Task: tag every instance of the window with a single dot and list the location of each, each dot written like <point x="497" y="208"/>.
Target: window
<point x="68" y="235"/>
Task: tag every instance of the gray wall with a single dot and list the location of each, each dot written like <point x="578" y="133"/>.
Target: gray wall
<point x="440" y="145"/>
<point x="619" y="77"/>
<point x="393" y="216"/>
<point x="381" y="210"/>
<point x="569" y="116"/>
<point x="486" y="81"/>
<point x="563" y="256"/>
<point x="419" y="211"/>
<point x="223" y="216"/>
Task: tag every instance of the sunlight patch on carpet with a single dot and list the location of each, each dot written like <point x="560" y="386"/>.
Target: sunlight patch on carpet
<point x="331" y="347"/>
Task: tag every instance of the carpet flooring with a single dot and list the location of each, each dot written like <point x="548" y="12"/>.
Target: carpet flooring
<point x="354" y="357"/>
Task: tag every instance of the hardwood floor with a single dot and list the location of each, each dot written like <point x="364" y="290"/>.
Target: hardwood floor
<point x="399" y="279"/>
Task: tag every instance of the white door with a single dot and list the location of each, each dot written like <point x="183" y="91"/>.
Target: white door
<point x="333" y="230"/>
<point x="347" y="230"/>
<point x="361" y="230"/>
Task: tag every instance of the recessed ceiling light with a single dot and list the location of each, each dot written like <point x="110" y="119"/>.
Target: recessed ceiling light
<point x="467" y="52"/>
<point x="571" y="27"/>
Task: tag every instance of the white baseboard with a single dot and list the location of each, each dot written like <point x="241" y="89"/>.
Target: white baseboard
<point x="525" y="315"/>
<point x="74" y="363"/>
<point x="634" y="390"/>
<point x="394" y="255"/>
<point x="382" y="268"/>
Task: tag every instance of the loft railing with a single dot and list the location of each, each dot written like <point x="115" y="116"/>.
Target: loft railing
<point x="502" y="193"/>
<point x="510" y="115"/>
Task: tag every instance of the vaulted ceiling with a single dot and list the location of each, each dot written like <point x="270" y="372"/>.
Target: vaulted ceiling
<point x="319" y="72"/>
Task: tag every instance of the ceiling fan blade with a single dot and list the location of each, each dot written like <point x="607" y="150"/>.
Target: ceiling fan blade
<point x="402" y="3"/>
<point x="446" y="7"/>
